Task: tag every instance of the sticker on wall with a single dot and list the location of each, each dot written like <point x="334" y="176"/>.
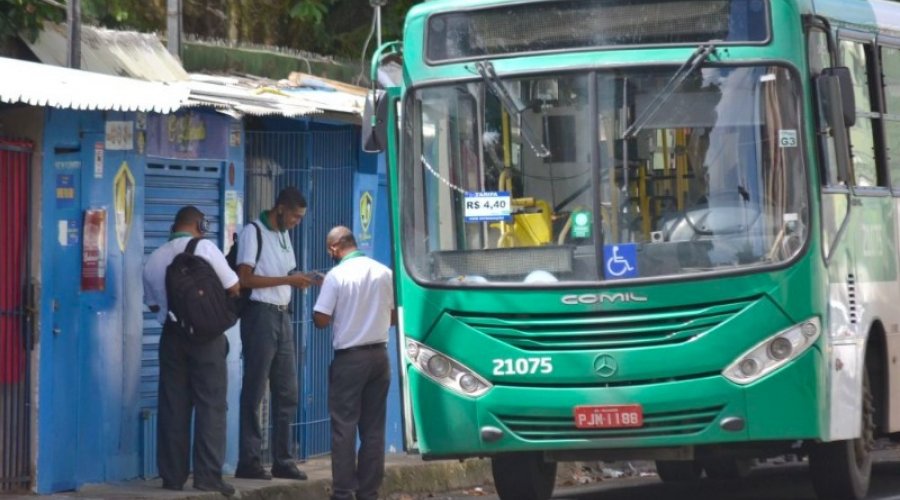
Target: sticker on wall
<point x="119" y="135"/>
<point x="123" y="200"/>
<point x="234" y="135"/>
<point x="366" y="212"/>
<point x="234" y="215"/>
<point x="98" y="160"/>
<point x="67" y="232"/>
<point x="94" y="251"/>
<point x="65" y="190"/>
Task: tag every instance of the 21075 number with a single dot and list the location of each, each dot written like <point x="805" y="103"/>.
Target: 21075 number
<point x="522" y="366"/>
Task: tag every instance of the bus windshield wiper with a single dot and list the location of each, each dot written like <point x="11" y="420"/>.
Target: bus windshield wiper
<point x="486" y="70"/>
<point x="692" y="63"/>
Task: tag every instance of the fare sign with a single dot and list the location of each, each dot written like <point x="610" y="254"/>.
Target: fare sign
<point x="609" y="416"/>
<point x="487" y="206"/>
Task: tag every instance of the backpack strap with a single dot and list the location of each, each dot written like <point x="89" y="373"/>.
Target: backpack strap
<point x="192" y="245"/>
<point x="259" y="241"/>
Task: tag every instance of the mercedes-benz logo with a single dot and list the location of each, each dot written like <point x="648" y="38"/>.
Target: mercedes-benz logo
<point x="605" y="366"/>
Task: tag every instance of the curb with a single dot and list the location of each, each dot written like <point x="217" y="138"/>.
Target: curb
<point x="436" y="477"/>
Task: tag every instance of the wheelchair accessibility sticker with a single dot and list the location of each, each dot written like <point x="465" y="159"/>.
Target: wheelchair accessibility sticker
<point x="620" y="261"/>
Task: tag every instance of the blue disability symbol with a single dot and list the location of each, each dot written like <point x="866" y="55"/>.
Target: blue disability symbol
<point x="621" y="260"/>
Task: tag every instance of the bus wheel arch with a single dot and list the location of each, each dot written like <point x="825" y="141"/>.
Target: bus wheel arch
<point x="842" y="470"/>
<point x="879" y="381"/>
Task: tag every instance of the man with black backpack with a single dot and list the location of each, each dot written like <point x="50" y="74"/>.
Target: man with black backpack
<point x="185" y="284"/>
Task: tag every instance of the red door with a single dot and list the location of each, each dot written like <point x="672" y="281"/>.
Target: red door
<point x="15" y="389"/>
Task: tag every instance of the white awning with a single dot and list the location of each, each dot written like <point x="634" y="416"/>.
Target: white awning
<point x="45" y="85"/>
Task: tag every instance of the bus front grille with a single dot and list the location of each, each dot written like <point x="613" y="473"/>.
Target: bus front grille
<point x="562" y="427"/>
<point x="604" y="330"/>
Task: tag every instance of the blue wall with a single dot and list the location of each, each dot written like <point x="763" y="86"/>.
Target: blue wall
<point x="90" y="342"/>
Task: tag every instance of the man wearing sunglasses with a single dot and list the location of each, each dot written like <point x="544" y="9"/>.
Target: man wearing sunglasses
<point x="192" y="375"/>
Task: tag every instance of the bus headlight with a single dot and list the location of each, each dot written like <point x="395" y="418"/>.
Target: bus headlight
<point x="774" y="352"/>
<point x="445" y="370"/>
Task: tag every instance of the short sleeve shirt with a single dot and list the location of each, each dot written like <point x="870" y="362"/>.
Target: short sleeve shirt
<point x="159" y="260"/>
<point x="276" y="259"/>
<point x="358" y="294"/>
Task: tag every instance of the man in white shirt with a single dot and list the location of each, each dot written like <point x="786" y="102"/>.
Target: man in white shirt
<point x="267" y="336"/>
<point x="191" y="375"/>
<point x="357" y="299"/>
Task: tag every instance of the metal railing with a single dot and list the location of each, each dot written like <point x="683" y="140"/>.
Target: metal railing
<point x="321" y="164"/>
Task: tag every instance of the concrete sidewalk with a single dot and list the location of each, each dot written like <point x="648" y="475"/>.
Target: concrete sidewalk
<point x="403" y="474"/>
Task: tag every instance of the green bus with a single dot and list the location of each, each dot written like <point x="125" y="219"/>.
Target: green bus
<point x="646" y="229"/>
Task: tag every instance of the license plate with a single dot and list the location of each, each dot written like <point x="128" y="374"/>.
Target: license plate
<point x="609" y="416"/>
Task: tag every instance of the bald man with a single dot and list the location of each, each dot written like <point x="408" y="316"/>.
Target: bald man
<point x="357" y="299"/>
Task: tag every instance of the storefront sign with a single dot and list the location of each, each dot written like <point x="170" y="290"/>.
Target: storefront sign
<point x="188" y="135"/>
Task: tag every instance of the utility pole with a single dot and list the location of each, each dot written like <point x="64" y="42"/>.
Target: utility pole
<point x="73" y="33"/>
<point x="173" y="27"/>
<point x="377" y="5"/>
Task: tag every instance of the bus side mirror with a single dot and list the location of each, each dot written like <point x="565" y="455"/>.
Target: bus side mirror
<point x="846" y="96"/>
<point x="374" y="124"/>
<point x="838" y="107"/>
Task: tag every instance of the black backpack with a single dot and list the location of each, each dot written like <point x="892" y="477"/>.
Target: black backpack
<point x="244" y="298"/>
<point x="196" y="297"/>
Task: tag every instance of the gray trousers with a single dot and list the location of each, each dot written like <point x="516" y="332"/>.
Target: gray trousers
<point x="357" y="399"/>
<point x="193" y="378"/>
<point x="269" y="355"/>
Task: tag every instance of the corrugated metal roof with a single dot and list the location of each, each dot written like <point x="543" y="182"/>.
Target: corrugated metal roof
<point x="121" y="53"/>
<point x="260" y="96"/>
<point x="45" y="85"/>
<point x="143" y="56"/>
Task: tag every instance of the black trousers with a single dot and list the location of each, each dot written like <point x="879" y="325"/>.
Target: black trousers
<point x="269" y="355"/>
<point x="357" y="399"/>
<point x="193" y="378"/>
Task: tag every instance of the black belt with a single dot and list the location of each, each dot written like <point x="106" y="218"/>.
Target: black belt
<point x="364" y="347"/>
<point x="276" y="307"/>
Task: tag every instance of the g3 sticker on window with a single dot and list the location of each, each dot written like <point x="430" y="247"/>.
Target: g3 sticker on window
<point x="787" y="138"/>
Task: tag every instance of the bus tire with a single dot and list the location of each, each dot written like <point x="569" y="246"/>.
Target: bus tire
<point x="841" y="470"/>
<point x="678" y="471"/>
<point x="523" y="476"/>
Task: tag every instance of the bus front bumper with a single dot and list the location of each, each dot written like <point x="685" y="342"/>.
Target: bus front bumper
<point x="787" y="404"/>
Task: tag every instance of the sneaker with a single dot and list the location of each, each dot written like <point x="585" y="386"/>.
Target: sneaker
<point x="251" y="473"/>
<point x="220" y="486"/>
<point x="288" y="472"/>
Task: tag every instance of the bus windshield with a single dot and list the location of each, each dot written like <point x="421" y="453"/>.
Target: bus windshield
<point x="711" y="180"/>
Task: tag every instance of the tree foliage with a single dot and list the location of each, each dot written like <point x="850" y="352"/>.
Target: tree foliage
<point x="331" y="27"/>
<point x="25" y="16"/>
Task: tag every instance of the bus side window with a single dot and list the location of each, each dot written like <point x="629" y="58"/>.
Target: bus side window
<point x="857" y="57"/>
<point x="819" y="59"/>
